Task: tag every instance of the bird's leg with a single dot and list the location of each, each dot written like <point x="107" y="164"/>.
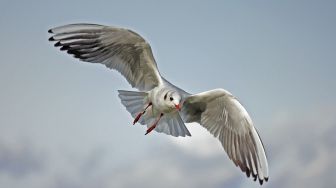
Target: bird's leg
<point x="154" y="125"/>
<point x="141" y="113"/>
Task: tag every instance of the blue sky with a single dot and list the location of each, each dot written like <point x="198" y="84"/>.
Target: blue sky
<point x="62" y="124"/>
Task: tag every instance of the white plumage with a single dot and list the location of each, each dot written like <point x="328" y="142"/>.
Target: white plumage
<point x="159" y="104"/>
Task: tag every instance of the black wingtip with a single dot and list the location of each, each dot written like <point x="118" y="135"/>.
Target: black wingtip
<point x="57" y="44"/>
<point x="50" y="31"/>
<point x="247" y="173"/>
<point x="254" y="177"/>
<point x="51" y="39"/>
<point x="266" y="179"/>
<point x="261" y="181"/>
<point x="64" y="48"/>
<point x="77" y="56"/>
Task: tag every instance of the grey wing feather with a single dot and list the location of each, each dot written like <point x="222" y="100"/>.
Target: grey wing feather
<point x="224" y="117"/>
<point x="116" y="48"/>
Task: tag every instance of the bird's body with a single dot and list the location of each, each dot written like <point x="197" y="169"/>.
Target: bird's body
<point x="157" y="97"/>
<point x="160" y="105"/>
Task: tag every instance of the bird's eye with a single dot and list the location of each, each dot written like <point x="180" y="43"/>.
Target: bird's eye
<point x="171" y="99"/>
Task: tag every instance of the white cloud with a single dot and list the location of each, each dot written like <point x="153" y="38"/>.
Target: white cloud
<point x="201" y="142"/>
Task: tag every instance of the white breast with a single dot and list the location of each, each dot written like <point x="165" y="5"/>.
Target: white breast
<point x="157" y="97"/>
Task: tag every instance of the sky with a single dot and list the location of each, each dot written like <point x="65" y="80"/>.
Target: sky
<point x="62" y="124"/>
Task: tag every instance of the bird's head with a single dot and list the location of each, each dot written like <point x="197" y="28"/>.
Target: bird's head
<point x="173" y="100"/>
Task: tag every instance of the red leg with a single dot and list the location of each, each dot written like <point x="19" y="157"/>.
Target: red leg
<point x="140" y="114"/>
<point x="137" y="118"/>
<point x="154" y="125"/>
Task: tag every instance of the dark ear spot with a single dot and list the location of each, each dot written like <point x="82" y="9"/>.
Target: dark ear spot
<point x="165" y="96"/>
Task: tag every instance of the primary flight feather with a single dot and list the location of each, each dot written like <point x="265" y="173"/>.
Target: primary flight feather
<point x="160" y="105"/>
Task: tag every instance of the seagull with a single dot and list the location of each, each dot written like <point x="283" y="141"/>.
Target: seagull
<point x="160" y="105"/>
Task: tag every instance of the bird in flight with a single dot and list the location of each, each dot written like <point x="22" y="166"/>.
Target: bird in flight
<point x="160" y="105"/>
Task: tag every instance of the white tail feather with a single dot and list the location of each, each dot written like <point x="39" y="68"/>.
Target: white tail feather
<point x="134" y="101"/>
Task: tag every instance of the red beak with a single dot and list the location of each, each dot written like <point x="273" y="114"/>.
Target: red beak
<point x="177" y="106"/>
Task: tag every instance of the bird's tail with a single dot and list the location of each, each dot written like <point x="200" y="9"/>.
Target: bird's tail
<point x="134" y="101"/>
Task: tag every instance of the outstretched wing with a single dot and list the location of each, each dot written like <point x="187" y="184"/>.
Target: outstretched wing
<point x="116" y="48"/>
<point x="224" y="117"/>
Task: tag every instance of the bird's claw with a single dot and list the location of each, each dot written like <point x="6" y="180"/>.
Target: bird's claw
<point x="140" y="114"/>
<point x="137" y="118"/>
<point x="154" y="125"/>
<point x="150" y="129"/>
